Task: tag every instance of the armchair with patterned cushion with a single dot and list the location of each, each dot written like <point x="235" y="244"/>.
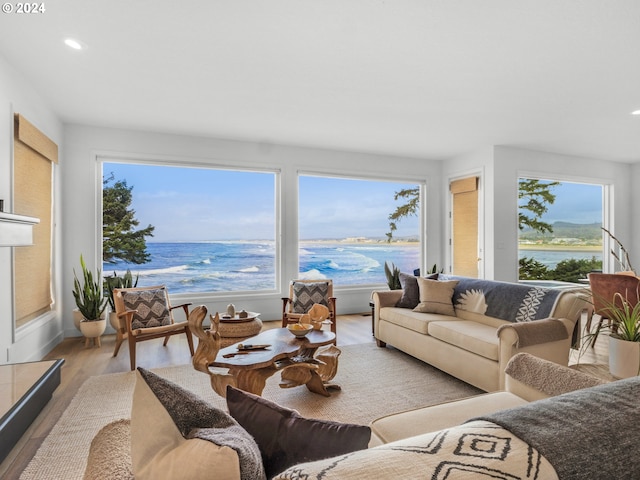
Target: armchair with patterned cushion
<point x="145" y="313"/>
<point x="303" y="295"/>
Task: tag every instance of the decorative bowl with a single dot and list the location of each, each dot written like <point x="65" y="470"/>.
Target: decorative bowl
<point x="299" y="329"/>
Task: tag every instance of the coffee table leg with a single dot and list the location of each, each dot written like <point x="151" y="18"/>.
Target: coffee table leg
<point x="314" y="372"/>
<point x="254" y="380"/>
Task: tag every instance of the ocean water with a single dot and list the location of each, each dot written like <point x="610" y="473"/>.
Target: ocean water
<point x="242" y="266"/>
<point x="551" y="258"/>
<point x="245" y="266"/>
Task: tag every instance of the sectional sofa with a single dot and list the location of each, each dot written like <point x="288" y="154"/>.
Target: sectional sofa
<point x="470" y="328"/>
<point x="552" y="422"/>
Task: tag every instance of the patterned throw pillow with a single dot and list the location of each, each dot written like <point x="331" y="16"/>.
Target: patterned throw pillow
<point x="305" y="295"/>
<point x="151" y="306"/>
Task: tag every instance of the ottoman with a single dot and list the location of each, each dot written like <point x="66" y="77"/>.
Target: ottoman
<point x="234" y="332"/>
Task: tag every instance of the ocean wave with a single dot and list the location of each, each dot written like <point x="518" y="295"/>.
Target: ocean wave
<point x="161" y="271"/>
<point x="249" y="269"/>
<point x="206" y="261"/>
<point x="312" y="274"/>
<point x="304" y="251"/>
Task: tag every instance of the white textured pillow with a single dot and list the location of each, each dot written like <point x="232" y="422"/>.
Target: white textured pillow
<point x="159" y="451"/>
<point x="475" y="450"/>
<point x="436" y="296"/>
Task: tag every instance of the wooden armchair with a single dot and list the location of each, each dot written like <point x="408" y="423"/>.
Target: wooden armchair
<point x="604" y="287"/>
<point x="303" y="294"/>
<point x="145" y="313"/>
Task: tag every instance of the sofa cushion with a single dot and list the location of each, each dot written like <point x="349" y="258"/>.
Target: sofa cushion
<point x="479" y="450"/>
<point x="437" y="417"/>
<point x="416" y="321"/>
<point x="175" y="434"/>
<point x="436" y="296"/>
<point x="474" y="337"/>
<point x="285" y="438"/>
<point x="410" y="290"/>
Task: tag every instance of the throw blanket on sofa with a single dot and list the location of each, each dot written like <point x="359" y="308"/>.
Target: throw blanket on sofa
<point x="502" y="299"/>
<point x="590" y="433"/>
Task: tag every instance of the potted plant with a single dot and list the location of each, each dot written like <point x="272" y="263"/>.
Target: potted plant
<point x="393" y="276"/>
<point x="112" y="282"/>
<point x="90" y="300"/>
<point x="624" y="334"/>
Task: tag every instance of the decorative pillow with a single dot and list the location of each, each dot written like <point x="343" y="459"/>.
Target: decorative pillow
<point x="436" y="296"/>
<point x="478" y="450"/>
<point x="305" y="295"/>
<point x="151" y="306"/>
<point x="285" y="438"/>
<point x="410" y="291"/>
<point x="175" y="434"/>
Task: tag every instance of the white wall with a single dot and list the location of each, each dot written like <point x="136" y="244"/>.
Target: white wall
<point x="38" y="337"/>
<point x="81" y="189"/>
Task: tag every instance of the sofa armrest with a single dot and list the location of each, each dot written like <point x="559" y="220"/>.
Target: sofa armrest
<point x="386" y="298"/>
<point x="533" y="378"/>
<point x="381" y="299"/>
<point x="548" y="338"/>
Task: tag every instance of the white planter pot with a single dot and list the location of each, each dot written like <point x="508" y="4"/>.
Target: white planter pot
<point x="93" y="329"/>
<point x="77" y="318"/>
<point x="114" y="321"/>
<point x="624" y="358"/>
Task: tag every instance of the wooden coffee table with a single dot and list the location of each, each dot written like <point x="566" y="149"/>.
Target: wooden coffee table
<point x="310" y="361"/>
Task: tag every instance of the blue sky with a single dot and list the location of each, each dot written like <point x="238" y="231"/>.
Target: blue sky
<point x="576" y="203"/>
<point x="196" y="204"/>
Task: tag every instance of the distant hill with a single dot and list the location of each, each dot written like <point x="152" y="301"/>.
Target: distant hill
<point x="589" y="232"/>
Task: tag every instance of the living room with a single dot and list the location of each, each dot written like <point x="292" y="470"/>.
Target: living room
<point x="561" y="77"/>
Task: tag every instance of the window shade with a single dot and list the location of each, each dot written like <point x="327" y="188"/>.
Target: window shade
<point x="33" y="155"/>
<point x="465" y="226"/>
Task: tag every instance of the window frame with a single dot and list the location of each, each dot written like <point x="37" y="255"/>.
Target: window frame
<point x="173" y="162"/>
<point x="421" y="183"/>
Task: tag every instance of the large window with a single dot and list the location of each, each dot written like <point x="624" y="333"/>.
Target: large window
<point x="560" y="232"/>
<point x="213" y="230"/>
<point x="343" y="226"/>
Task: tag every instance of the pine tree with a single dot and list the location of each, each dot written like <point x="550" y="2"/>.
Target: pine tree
<point x="120" y="240"/>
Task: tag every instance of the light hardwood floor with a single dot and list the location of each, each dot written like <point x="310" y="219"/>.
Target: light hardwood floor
<point x="82" y="363"/>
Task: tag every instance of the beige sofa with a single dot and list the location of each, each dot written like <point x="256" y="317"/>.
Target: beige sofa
<point x="470" y="343"/>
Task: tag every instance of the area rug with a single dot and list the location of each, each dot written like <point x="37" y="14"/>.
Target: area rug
<point x="374" y="381"/>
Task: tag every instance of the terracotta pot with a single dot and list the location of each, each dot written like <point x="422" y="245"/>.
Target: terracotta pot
<point x="624" y="358"/>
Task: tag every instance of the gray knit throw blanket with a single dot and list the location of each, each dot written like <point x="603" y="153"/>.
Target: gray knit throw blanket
<point x="587" y="434"/>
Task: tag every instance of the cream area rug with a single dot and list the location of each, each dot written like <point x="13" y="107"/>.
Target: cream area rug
<point x="375" y="382"/>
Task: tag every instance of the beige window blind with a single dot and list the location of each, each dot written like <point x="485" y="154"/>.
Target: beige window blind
<point x="465" y="226"/>
<point x="34" y="155"/>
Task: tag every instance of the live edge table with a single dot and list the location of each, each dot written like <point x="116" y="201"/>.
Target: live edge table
<point x="310" y="361"/>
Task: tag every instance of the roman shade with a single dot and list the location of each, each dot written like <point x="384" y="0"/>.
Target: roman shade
<point x="33" y="158"/>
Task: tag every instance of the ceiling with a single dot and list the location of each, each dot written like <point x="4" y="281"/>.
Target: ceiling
<point x="421" y="78"/>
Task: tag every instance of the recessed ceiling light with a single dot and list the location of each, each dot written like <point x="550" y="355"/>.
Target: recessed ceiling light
<point x="71" y="43"/>
<point x="635" y="112"/>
